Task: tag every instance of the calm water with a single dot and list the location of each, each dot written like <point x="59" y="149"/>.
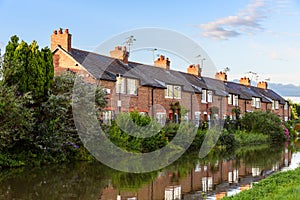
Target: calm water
<point x="221" y="173"/>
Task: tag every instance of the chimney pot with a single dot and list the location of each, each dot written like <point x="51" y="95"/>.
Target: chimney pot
<point x="63" y="40"/>
<point x="120" y="53"/>
<point x="222" y="76"/>
<point x="262" y="84"/>
<point x="194" y="70"/>
<point x="162" y="62"/>
<point x="245" y="81"/>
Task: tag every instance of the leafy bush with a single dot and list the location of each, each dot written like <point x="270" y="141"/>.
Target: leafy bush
<point x="265" y="123"/>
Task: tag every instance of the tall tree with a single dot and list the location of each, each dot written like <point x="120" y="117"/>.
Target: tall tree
<point x="29" y="68"/>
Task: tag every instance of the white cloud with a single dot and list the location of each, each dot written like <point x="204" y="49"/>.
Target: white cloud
<point x="246" y="21"/>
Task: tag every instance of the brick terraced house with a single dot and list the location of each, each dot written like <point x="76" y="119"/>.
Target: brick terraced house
<point x="161" y="92"/>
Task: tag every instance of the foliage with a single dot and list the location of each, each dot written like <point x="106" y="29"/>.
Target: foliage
<point x="283" y="185"/>
<point x="121" y="137"/>
<point x="248" y="138"/>
<point x="29" y="68"/>
<point x="265" y="123"/>
<point x="16" y="118"/>
<point x="55" y="130"/>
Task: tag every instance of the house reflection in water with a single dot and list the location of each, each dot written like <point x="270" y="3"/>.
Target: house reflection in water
<point x="225" y="177"/>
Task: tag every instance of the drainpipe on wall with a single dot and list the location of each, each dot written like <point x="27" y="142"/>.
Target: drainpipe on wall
<point x="191" y="106"/>
<point x="152" y="102"/>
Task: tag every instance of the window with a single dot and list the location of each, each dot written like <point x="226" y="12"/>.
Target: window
<point x="131" y="86"/>
<point x="235" y="100"/>
<point x="177" y="92"/>
<point x="286" y="106"/>
<point x="273" y="105"/>
<point x="173" y="91"/>
<point x="197" y="118"/>
<point x="120" y="86"/>
<point x="107" y="117"/>
<point x="203" y="96"/>
<point x="161" y="118"/>
<point x="209" y="96"/>
<point x="257" y="102"/>
<point x="230" y="99"/>
<point x="126" y="86"/>
<point x="253" y="102"/>
<point x="276" y="105"/>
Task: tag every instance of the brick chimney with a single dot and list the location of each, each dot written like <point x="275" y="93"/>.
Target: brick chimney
<point x="162" y="62"/>
<point x="245" y="81"/>
<point x="120" y="53"/>
<point x="222" y="76"/>
<point x="262" y="84"/>
<point x="194" y="69"/>
<point x="60" y="38"/>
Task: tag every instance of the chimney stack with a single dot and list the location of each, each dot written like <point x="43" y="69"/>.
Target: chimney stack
<point x="222" y="76"/>
<point x="120" y="53"/>
<point x="194" y="69"/>
<point x="245" y="81"/>
<point x="162" y="62"/>
<point x="262" y="84"/>
<point x="62" y="39"/>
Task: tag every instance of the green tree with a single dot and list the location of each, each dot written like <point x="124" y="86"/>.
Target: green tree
<point x="29" y="68"/>
<point x="15" y="118"/>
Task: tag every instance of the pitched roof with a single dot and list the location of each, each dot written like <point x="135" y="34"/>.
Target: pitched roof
<point x="105" y="68"/>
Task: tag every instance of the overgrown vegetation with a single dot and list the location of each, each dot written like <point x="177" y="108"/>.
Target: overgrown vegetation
<point x="283" y="185"/>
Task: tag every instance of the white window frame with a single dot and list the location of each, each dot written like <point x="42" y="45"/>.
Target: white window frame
<point x="132" y="86"/>
<point x="257" y="103"/>
<point x="161" y="118"/>
<point x="121" y="85"/>
<point x="177" y="92"/>
<point x="209" y="96"/>
<point x="235" y="100"/>
<point x="286" y="106"/>
<point x="276" y="105"/>
<point x="173" y="91"/>
<point x="230" y="99"/>
<point x="273" y="105"/>
<point x="253" y="102"/>
<point x="204" y="96"/>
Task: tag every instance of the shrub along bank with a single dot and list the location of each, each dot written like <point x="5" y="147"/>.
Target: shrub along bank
<point x="282" y="185"/>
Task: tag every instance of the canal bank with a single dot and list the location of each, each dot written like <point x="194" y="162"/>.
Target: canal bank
<point x="187" y="178"/>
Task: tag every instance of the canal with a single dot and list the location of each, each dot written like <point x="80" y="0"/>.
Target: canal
<point x="220" y="173"/>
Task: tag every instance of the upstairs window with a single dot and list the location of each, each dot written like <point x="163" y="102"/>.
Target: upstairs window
<point x="209" y="96"/>
<point x="235" y="100"/>
<point x="276" y="105"/>
<point x="203" y="96"/>
<point x="230" y="99"/>
<point x="173" y="91"/>
<point x="132" y="86"/>
<point x="286" y="106"/>
<point x="177" y="92"/>
<point x="121" y="86"/>
<point x="127" y="86"/>
<point x="255" y="103"/>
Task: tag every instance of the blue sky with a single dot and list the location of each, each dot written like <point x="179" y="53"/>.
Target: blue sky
<point x="262" y="36"/>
